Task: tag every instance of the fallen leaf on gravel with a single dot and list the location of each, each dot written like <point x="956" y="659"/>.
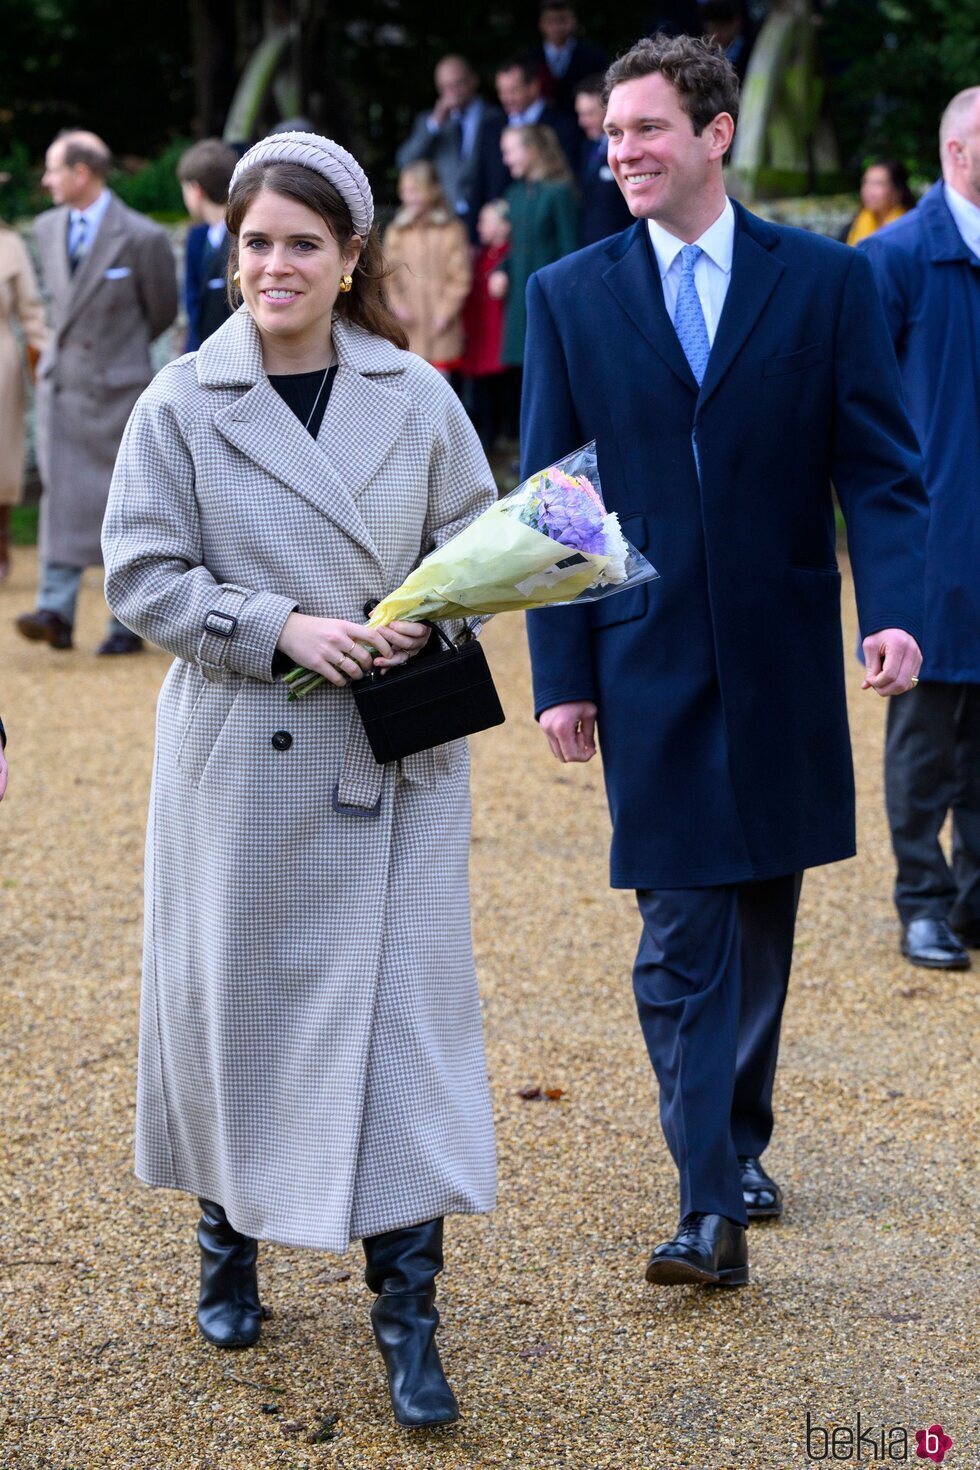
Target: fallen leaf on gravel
<point x="528" y="1093"/>
<point x="554" y="1093"/>
<point x="326" y="1429"/>
<point x="270" y="1408"/>
<point x="333" y="1278"/>
<point x="293" y="1426"/>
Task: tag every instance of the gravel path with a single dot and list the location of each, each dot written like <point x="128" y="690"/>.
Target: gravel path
<point x="860" y="1298"/>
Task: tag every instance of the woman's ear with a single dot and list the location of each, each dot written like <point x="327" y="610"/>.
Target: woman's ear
<point x="352" y="252"/>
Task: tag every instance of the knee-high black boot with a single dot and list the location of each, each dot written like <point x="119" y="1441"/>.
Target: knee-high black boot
<point x="229" y="1312"/>
<point x="401" y="1267"/>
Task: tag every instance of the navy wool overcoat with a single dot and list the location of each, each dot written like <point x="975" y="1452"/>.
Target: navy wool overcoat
<point x="929" y="281"/>
<point x="720" y="688"/>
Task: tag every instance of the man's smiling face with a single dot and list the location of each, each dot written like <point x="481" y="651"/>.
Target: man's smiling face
<point x="658" y="161"/>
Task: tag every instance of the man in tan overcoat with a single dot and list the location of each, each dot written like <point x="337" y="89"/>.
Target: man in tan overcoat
<point x="111" y="284"/>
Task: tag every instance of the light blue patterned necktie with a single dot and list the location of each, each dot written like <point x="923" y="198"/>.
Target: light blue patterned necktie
<point x="689" y="323"/>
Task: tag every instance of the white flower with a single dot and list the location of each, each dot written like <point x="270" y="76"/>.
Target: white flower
<point x="616" y="550"/>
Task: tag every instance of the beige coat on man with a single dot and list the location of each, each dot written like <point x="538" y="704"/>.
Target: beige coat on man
<point x="311" y="1051"/>
<point x="431" y="277"/>
<point x="103" y="318"/>
<point x="21" y="305"/>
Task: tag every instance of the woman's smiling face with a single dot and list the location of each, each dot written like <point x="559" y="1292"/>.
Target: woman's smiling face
<point x="290" y="268"/>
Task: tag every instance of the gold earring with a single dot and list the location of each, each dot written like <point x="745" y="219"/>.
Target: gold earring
<point x="237" y="277"/>
<point x="346" y="284"/>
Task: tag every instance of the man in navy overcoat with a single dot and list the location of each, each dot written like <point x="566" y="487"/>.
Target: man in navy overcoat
<point x="927" y="266"/>
<point x="730" y="371"/>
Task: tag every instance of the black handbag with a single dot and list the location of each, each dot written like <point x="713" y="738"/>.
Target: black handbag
<point x="434" y="698"/>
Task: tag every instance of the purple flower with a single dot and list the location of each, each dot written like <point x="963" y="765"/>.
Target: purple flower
<point x="570" y="517"/>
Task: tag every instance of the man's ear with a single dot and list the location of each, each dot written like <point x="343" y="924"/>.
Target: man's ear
<point x="722" y="129"/>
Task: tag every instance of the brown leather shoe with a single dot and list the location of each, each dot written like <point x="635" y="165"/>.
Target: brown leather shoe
<point x="45" y="626"/>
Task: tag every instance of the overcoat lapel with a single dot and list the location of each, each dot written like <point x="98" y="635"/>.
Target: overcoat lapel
<point x="754" y="275"/>
<point x="54" y="259"/>
<point x="634" y="281"/>
<point x="108" y="242"/>
<point x="363" y="419"/>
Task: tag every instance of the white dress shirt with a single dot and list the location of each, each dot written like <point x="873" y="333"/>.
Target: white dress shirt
<point x="528" y="117"/>
<point x="966" y="217"/>
<point x="712" y="269"/>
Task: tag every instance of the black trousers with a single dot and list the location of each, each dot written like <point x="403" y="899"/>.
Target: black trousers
<point x="710" y="983"/>
<point x="932" y="767"/>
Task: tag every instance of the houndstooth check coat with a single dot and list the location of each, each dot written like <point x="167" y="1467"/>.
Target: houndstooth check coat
<point x="311" y="1051"/>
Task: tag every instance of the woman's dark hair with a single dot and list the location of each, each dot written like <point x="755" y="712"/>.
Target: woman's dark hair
<point x="899" y="177"/>
<point x="366" y="305"/>
<point x="705" y="81"/>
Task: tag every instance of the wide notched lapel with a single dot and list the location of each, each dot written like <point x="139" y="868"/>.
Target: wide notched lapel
<point x="755" y="272"/>
<point x="362" y="421"/>
<point x="108" y="242"/>
<point x="54" y="259"/>
<point x="634" y="281"/>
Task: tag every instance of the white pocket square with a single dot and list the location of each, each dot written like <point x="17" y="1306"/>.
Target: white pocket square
<point x="118" y="273"/>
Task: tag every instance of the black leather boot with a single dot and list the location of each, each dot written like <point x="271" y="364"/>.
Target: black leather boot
<point x="229" y="1312"/>
<point x="401" y="1267"/>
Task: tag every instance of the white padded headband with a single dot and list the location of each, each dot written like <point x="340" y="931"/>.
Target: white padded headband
<point x="325" y="157"/>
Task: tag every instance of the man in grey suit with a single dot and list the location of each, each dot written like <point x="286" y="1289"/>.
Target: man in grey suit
<point x="461" y="137"/>
<point x="111" y="286"/>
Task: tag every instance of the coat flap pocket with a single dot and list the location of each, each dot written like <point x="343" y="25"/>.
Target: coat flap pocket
<point x="793" y="362"/>
<point x="624" y="607"/>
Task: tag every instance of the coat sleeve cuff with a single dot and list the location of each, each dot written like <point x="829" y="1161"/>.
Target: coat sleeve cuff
<point x="548" y="698"/>
<point x="240" y="633"/>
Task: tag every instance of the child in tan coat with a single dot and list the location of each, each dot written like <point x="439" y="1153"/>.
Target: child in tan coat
<point x="429" y="254"/>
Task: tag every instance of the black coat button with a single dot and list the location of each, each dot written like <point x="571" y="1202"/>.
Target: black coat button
<point x="282" y="740"/>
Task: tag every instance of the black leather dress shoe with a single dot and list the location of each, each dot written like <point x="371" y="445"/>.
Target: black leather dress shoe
<point x="120" y="643"/>
<point x="45" y="626"/>
<point x="932" y="943"/>
<point x="762" y="1195"/>
<point x="708" y="1249"/>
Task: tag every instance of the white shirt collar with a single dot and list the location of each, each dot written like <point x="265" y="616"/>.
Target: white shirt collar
<point x="717" y="242"/>
<point x="966" y="217"/>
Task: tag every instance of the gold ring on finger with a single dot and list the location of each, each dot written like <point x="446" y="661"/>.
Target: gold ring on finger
<point x="914" y="680"/>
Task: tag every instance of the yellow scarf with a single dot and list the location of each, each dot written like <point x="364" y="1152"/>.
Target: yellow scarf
<point x="865" y="224"/>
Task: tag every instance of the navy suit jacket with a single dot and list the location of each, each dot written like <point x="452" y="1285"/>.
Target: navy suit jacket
<point x="603" y="210"/>
<point x="929" y="281"/>
<point x="205" y="292"/>
<point x="720" y="687"/>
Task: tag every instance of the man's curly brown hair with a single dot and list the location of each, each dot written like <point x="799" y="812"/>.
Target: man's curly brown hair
<point x="705" y="81"/>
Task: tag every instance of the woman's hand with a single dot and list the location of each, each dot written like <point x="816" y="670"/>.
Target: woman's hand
<point x="498" y="284"/>
<point x="406" y="639"/>
<point x="339" y="651"/>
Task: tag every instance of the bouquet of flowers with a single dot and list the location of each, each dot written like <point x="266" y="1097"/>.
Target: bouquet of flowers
<point x="548" y="542"/>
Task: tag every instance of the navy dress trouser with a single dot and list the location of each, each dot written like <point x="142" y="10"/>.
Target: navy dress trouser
<point x="710" y="983"/>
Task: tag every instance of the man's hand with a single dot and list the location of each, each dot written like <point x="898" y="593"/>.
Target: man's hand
<point x="570" y="729"/>
<point x="892" y="660"/>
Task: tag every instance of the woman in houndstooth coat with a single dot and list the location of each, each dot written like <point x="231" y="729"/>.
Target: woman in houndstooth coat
<point x="311" y="1054"/>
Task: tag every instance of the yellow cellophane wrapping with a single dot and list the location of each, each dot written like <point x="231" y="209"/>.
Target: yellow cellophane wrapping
<point x="497" y="564"/>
